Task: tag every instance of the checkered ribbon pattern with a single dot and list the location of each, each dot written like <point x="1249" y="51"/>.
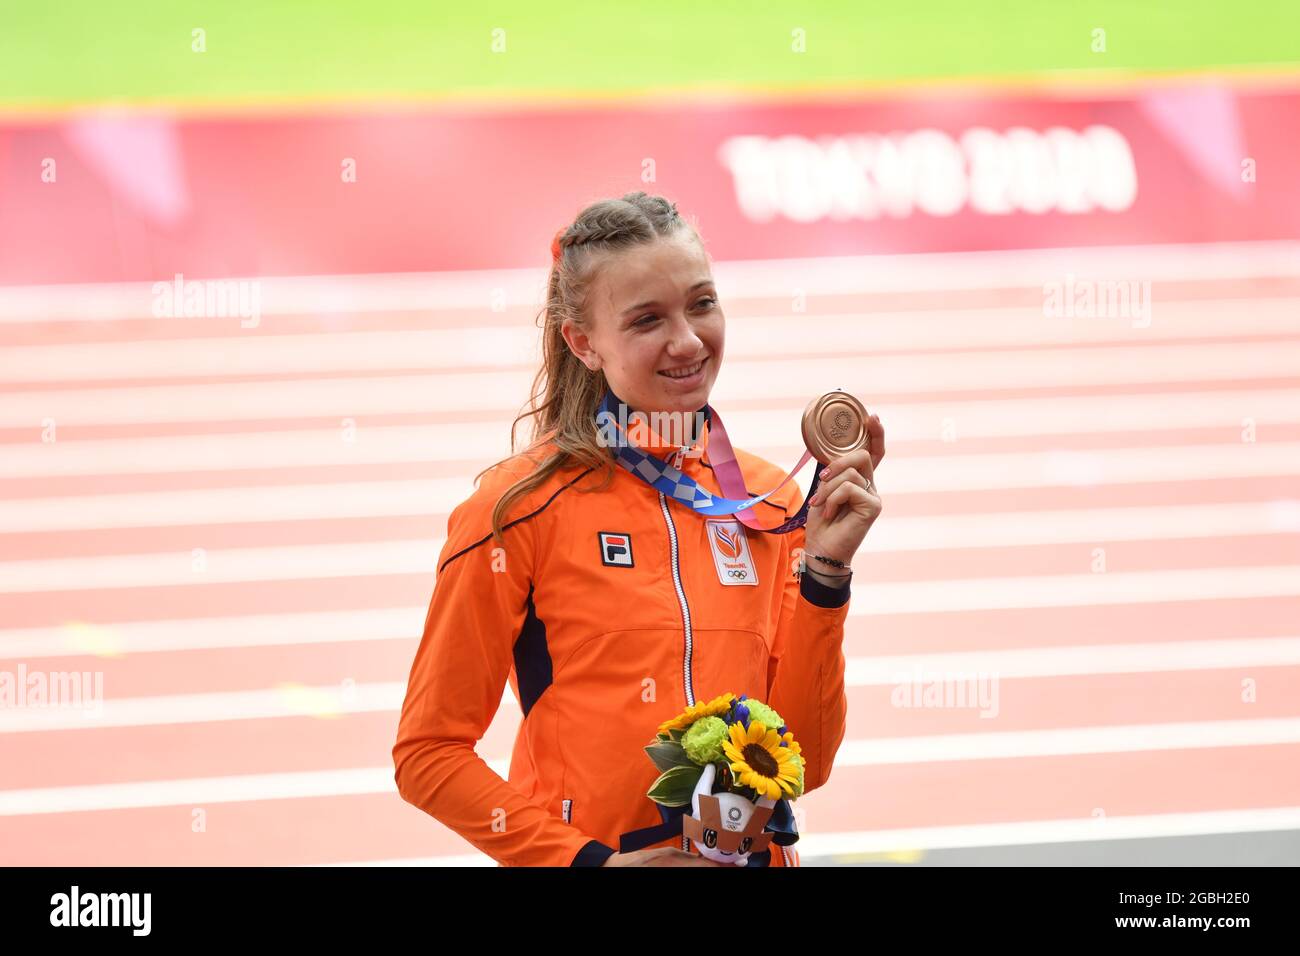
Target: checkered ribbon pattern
<point x="686" y="491"/>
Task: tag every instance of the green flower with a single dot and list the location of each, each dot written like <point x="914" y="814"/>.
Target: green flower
<point x="764" y="714"/>
<point x="798" y="786"/>
<point x="703" y="742"/>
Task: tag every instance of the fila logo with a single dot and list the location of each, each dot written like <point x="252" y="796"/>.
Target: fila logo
<point x="616" y="549"/>
<point x="730" y="550"/>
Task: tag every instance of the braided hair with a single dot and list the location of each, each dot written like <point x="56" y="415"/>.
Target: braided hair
<point x="565" y="392"/>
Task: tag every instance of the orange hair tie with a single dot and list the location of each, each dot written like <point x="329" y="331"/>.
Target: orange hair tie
<point x="555" y="246"/>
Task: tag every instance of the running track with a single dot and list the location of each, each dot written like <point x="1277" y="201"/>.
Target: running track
<point x="257" y="690"/>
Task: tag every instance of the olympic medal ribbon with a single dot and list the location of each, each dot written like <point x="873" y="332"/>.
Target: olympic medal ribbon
<point x="682" y="488"/>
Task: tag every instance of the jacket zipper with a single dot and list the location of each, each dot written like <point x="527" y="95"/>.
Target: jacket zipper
<point x="681" y="599"/>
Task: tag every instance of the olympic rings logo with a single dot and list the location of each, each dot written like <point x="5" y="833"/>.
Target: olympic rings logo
<point x="738" y="575"/>
<point x="843" y="422"/>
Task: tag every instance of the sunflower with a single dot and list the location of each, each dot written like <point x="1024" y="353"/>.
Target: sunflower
<point x="759" y="761"/>
<point x="719" y="705"/>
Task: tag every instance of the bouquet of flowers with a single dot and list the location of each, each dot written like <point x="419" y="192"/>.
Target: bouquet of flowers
<point x="739" y="747"/>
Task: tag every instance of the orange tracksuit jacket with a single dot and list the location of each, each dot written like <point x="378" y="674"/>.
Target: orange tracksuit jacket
<point x="608" y="613"/>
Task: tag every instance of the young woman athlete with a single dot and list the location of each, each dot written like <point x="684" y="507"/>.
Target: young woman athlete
<point x="608" y="606"/>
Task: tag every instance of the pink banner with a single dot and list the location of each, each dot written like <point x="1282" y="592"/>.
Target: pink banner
<point x="143" y="196"/>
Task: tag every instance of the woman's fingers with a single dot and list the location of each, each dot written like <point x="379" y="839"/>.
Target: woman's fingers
<point x="876" y="440"/>
<point x="855" y="476"/>
<point x="847" y="493"/>
<point x="840" y="475"/>
<point x="859" y="460"/>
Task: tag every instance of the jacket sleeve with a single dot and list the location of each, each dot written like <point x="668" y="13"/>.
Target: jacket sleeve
<point x="480" y="600"/>
<point x="806" y="669"/>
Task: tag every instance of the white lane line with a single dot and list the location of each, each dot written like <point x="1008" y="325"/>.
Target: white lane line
<point x="1021" y="528"/>
<point x="844" y="846"/>
<point x="1081" y="590"/>
<point x="825" y="275"/>
<point x="315" y="353"/>
<point x="365" y="780"/>
<point x="517" y="344"/>
<point x="327" y="701"/>
<point x="1222" y="414"/>
<point x="480" y="443"/>
<point x="200" y="565"/>
<point x="220" y="566"/>
<point x="917" y="474"/>
<point x="1076" y="661"/>
<point x="286" y="700"/>
<point x="78" y="638"/>
<point x="84" y="639"/>
<point x="960" y="422"/>
<point x="200" y="791"/>
<point x="437" y="496"/>
<point x="251" y="401"/>
<point x="1069" y="741"/>
<point x="873" y="378"/>
<point x="416" y="497"/>
<point x="1010" y="269"/>
<point x="1087" y="467"/>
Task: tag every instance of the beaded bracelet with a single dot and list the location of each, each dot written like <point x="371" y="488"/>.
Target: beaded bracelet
<point x="848" y="574"/>
<point x="831" y="561"/>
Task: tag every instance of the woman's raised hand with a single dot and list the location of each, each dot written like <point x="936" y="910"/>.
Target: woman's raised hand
<point x="846" y="503"/>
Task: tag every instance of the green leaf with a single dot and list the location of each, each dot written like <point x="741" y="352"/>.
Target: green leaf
<point x="667" y="754"/>
<point x="675" y="786"/>
<point x="678" y="732"/>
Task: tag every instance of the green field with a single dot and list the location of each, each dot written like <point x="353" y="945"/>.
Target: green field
<point x="53" y="55"/>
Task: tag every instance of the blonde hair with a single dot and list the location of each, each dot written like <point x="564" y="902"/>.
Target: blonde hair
<point x="565" y="393"/>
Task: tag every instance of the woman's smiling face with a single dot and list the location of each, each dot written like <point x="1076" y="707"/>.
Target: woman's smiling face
<point x="653" y="310"/>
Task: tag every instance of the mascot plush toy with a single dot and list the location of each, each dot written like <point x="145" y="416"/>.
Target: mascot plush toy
<point x="727" y="827"/>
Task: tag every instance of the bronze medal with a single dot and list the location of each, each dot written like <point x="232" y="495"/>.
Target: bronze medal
<point x="834" y="425"/>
